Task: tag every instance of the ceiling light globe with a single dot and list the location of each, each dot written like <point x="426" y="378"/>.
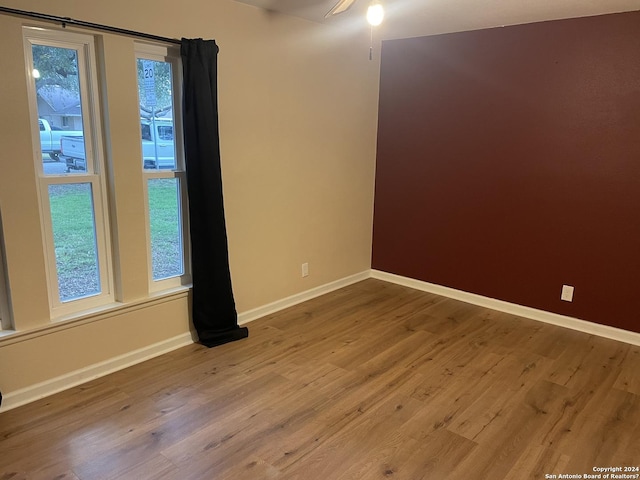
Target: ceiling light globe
<point x="375" y="14"/>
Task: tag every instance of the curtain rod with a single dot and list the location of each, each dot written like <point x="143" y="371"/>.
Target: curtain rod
<point x="64" y="21"/>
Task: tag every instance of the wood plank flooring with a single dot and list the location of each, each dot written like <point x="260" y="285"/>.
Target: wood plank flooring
<point x="374" y="381"/>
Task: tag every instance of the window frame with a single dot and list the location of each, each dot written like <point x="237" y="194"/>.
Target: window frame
<point x="5" y="311"/>
<point x="85" y="46"/>
<point x="171" y="55"/>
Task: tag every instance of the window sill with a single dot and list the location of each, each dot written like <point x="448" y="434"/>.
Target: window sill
<point x="8" y="337"/>
<point x="6" y="333"/>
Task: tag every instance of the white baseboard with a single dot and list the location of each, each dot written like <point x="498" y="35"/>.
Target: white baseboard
<point x="556" y="319"/>
<point x="287" y="302"/>
<point x="72" y="379"/>
<point x="97" y="370"/>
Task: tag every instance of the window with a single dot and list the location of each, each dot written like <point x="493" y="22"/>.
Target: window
<point x="165" y="132"/>
<point x="5" y="320"/>
<point x="69" y="168"/>
<point x="162" y="163"/>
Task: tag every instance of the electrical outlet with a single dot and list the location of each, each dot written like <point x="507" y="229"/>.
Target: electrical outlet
<point x="567" y="293"/>
<point x="305" y="269"/>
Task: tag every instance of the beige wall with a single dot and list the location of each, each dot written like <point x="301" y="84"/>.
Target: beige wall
<point x="298" y="114"/>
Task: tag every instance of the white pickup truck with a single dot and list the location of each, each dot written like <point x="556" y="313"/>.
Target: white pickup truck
<point x="72" y="152"/>
<point x="158" y="149"/>
<point x="50" y="138"/>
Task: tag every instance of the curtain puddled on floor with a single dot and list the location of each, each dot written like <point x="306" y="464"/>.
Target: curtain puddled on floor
<point x="213" y="310"/>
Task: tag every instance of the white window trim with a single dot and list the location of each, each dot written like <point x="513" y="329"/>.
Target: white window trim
<point x="162" y="53"/>
<point x="92" y="128"/>
<point x="5" y="312"/>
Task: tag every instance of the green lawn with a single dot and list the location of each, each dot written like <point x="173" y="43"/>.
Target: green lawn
<point x="75" y="239"/>
<point x="166" y="238"/>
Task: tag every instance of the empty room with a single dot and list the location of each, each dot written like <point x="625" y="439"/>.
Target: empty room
<point x="269" y="239"/>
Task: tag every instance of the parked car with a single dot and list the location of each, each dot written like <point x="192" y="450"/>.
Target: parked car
<point x="72" y="151"/>
<point x="50" y="138"/>
<point x="158" y="148"/>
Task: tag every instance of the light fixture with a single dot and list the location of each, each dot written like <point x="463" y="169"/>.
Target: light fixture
<point x="36" y="73"/>
<point x="375" y="14"/>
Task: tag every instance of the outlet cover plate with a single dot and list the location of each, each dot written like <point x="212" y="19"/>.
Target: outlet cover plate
<point x="567" y="293"/>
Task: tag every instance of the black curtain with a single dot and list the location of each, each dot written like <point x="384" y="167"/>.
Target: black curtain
<point x="213" y="309"/>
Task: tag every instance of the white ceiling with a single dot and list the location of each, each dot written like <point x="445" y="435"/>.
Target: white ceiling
<point x="412" y="18"/>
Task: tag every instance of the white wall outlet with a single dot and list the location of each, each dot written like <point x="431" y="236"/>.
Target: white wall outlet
<point x="305" y="269"/>
<point x="567" y="293"/>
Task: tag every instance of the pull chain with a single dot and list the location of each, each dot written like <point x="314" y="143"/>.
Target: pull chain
<point x="371" y="44"/>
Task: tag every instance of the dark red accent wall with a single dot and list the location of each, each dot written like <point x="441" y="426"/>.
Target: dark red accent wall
<point x="509" y="164"/>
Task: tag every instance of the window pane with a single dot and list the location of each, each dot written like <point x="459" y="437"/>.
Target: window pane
<point x="165" y="226"/>
<point x="74" y="240"/>
<point x="4" y="305"/>
<point x="55" y="71"/>
<point x="155" y="87"/>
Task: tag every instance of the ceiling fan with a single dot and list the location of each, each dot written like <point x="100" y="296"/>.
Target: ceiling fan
<point x="375" y="12"/>
<point x="340" y="7"/>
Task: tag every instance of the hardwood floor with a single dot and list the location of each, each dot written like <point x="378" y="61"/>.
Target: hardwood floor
<point x="372" y="381"/>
